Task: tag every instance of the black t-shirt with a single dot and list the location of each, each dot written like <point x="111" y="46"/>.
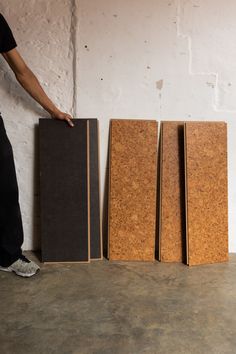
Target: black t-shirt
<point x="7" y="40"/>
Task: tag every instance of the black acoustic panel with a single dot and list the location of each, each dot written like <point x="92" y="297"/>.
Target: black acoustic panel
<point x="64" y="183"/>
<point x="95" y="225"/>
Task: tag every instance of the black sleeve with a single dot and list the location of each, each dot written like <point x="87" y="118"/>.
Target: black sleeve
<point x="7" y="40"/>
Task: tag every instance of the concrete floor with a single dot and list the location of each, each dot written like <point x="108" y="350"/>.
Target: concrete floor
<point x="120" y="308"/>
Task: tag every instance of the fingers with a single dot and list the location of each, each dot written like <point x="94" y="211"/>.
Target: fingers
<point x="64" y="116"/>
<point x="68" y="118"/>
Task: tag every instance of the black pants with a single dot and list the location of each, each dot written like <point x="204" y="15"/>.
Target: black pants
<point x="11" y="228"/>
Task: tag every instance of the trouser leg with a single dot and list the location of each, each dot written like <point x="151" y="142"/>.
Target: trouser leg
<point x="11" y="228"/>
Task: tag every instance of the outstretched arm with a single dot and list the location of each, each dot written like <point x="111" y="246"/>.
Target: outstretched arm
<point x="30" y="83"/>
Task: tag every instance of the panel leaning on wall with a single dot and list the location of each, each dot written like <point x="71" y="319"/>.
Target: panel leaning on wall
<point x="206" y="192"/>
<point x="193" y="218"/>
<point x="172" y="203"/>
<point x="69" y="191"/>
<point x="132" y="189"/>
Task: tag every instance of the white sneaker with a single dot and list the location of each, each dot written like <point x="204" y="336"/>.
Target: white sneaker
<point x="22" y="267"/>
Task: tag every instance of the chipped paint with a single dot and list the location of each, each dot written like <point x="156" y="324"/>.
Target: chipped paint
<point x="159" y="84"/>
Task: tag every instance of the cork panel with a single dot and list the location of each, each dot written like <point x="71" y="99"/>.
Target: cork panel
<point x="206" y="197"/>
<point x="132" y="189"/>
<point x="172" y="208"/>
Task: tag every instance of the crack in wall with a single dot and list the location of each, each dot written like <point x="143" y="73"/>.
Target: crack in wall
<point x="215" y="103"/>
<point x="73" y="50"/>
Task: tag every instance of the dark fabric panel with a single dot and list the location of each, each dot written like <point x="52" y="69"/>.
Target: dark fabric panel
<point x="63" y="190"/>
<point x="95" y="240"/>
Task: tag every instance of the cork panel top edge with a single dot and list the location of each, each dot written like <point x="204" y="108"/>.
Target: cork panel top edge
<point x="132" y="120"/>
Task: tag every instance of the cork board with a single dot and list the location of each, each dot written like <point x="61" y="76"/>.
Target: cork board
<point x="64" y="190"/>
<point x="206" y="196"/>
<point x="172" y="202"/>
<point x="132" y="189"/>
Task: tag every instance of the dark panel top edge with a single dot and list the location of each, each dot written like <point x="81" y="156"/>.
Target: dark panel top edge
<point x="54" y="119"/>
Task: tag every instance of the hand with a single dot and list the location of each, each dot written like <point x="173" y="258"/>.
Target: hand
<point x="63" y="116"/>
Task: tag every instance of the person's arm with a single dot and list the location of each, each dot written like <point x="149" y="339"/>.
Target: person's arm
<point x="30" y="83"/>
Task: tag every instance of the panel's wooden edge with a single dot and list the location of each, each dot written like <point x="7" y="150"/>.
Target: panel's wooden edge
<point x="100" y="204"/>
<point x="132" y="120"/>
<point x="96" y="259"/>
<point x="208" y="263"/>
<point x="160" y="192"/>
<point x="99" y="193"/>
<point x="67" y="262"/>
<point x="186" y="192"/>
<point x="227" y="183"/>
<point x="109" y="189"/>
<point x="40" y="183"/>
<point x="156" y="193"/>
<point x="205" y="121"/>
<point x="172" y="121"/>
<point x="153" y="260"/>
<point x="88" y="189"/>
<point x="193" y="121"/>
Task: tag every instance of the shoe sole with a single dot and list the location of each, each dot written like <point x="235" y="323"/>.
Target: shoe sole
<point x="19" y="273"/>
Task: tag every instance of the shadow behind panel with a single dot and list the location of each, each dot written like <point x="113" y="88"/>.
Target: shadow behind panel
<point x="64" y="190"/>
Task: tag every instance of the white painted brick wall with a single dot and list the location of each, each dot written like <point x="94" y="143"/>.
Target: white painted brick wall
<point x="106" y="59"/>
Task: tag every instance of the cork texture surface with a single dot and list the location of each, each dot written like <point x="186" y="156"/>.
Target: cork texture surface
<point x="172" y="208"/>
<point x="132" y="189"/>
<point x="206" y="197"/>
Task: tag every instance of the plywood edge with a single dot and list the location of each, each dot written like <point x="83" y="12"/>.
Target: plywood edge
<point x="132" y="120"/>
<point x="99" y="194"/>
<point x="172" y="121"/>
<point x="109" y="188"/>
<point x="206" y="121"/>
<point x="40" y="184"/>
<point x="227" y="183"/>
<point x="160" y="191"/>
<point x="88" y="186"/>
<point x="186" y="192"/>
<point x="100" y="204"/>
<point x="66" y="262"/>
<point x="153" y="260"/>
<point x="156" y="192"/>
<point x="207" y="263"/>
<point x="96" y="259"/>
